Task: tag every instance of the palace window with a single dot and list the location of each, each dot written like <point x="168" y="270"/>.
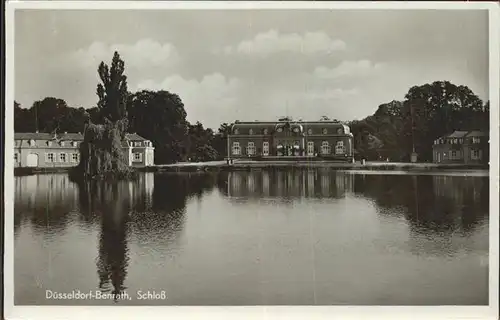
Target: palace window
<point x="74" y="143"/>
<point x="32" y="143"/>
<point x="339" y="148"/>
<point x="296" y="148"/>
<point x="339" y="131"/>
<point x="74" y="157"/>
<point x="296" y="130"/>
<point x="62" y="157"/>
<point x="236" y="131"/>
<point x="16" y="157"/>
<point x="137" y="157"/>
<point x="251" y="148"/>
<point x="265" y="148"/>
<point x="309" y="131"/>
<point x="476" y="140"/>
<point x="50" y="157"/>
<point x="265" y="131"/>
<point x="280" y="150"/>
<point x="475" y="154"/>
<point x="236" y="148"/>
<point x="453" y="154"/>
<point x="325" y="131"/>
<point x="279" y="129"/>
<point x="325" y="147"/>
<point x="310" y="148"/>
<point x="250" y="131"/>
<point x="49" y="143"/>
<point x="62" y="143"/>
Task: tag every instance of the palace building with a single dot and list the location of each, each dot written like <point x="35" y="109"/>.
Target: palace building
<point x="51" y="150"/>
<point x="467" y="147"/>
<point x="286" y="139"/>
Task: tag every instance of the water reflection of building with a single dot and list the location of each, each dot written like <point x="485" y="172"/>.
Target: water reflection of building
<point x="40" y="189"/>
<point x="141" y="190"/>
<point x="37" y="195"/>
<point x="458" y="187"/>
<point x="445" y="215"/>
<point x="440" y="211"/>
<point x="438" y="202"/>
<point x="316" y="183"/>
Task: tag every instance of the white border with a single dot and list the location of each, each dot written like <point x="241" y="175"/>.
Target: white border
<point x="257" y="312"/>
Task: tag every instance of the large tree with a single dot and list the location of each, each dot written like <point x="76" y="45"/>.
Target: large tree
<point x="219" y="141"/>
<point x="49" y="115"/>
<point x="433" y="110"/>
<point x="160" y="116"/>
<point x="102" y="155"/>
<point x="427" y="112"/>
<point x="23" y="121"/>
<point x="200" y="143"/>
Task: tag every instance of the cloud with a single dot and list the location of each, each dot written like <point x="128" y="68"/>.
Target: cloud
<point x="145" y="53"/>
<point x="359" y="68"/>
<point x="211" y="100"/>
<point x="330" y="94"/>
<point x="264" y="44"/>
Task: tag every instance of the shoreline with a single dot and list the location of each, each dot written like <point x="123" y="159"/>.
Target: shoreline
<point x="216" y="166"/>
<point x="247" y="166"/>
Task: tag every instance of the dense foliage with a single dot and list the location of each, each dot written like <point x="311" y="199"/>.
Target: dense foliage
<point x="428" y="111"/>
<point x="101" y="152"/>
<point x="394" y="130"/>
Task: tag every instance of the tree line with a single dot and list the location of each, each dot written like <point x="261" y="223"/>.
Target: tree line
<point x="393" y="131"/>
<point x="428" y="111"/>
<point x="158" y="116"/>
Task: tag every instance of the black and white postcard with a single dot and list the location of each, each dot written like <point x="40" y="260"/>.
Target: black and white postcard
<point x="264" y="160"/>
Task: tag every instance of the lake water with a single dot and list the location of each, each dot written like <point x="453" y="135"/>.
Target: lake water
<point x="311" y="237"/>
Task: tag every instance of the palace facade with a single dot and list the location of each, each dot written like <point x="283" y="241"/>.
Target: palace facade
<point x="282" y="139"/>
<point x="47" y="150"/>
<point x="467" y="147"/>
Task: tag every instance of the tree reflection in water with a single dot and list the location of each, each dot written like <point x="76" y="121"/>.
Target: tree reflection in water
<point x="437" y="203"/>
<point x="112" y="202"/>
<point x="152" y="205"/>
<point x="144" y="221"/>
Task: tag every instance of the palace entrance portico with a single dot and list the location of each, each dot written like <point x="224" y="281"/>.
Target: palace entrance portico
<point x="289" y="147"/>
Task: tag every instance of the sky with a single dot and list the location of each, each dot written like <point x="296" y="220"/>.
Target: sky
<point x="252" y="64"/>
